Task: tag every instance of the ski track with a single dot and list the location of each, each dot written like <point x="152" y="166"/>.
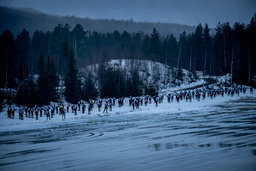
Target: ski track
<point x="216" y="134"/>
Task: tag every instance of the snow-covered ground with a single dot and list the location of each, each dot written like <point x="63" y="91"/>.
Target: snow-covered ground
<point x="210" y="134"/>
<point x="149" y="72"/>
<point x="183" y="106"/>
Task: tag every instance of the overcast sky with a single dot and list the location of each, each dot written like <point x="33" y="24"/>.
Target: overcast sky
<point x="190" y="12"/>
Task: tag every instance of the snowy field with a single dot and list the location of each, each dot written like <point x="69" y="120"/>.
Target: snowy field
<point x="210" y="134"/>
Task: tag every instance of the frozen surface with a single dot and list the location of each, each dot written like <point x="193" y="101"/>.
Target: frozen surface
<point x="211" y="134"/>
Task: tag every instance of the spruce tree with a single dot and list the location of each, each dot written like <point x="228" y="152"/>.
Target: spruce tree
<point x="145" y="45"/>
<point x="51" y="79"/>
<point x="7" y="61"/>
<point x="136" y="83"/>
<point x="155" y="43"/>
<point x="42" y="91"/>
<point x="22" y="50"/>
<point x="80" y="41"/>
<point x="72" y="91"/>
<point x="198" y="43"/>
<point x="206" y="45"/>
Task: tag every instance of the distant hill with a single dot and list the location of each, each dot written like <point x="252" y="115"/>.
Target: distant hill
<point x="16" y="20"/>
<point x="163" y="76"/>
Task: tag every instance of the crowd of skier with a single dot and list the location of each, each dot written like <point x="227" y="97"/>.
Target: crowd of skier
<point x="134" y="102"/>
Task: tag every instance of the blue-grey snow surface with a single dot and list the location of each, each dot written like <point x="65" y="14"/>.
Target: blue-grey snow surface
<point x="221" y="136"/>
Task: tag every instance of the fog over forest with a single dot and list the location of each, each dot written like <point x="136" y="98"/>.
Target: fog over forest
<point x="165" y="11"/>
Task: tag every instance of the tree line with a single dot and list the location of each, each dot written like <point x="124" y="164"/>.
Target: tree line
<point x="15" y="19"/>
<point x="57" y="55"/>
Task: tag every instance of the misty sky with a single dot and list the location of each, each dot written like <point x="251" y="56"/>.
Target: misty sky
<point x="190" y="12"/>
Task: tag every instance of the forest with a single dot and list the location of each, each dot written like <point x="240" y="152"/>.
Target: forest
<point x="36" y="66"/>
<point x="15" y="19"/>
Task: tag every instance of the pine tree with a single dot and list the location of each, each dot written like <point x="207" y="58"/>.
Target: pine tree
<point x="226" y="45"/>
<point x="136" y="83"/>
<point x="251" y="37"/>
<point x="239" y="40"/>
<point x="7" y="61"/>
<point x="198" y="43"/>
<point x="51" y="79"/>
<point x="22" y="54"/>
<point x="72" y="91"/>
<point x="80" y="41"/>
<point x="218" y="48"/>
<point x="206" y="46"/>
<point x="145" y="45"/>
<point x="39" y="46"/>
<point x="184" y="56"/>
<point x="42" y="92"/>
<point x="155" y="44"/>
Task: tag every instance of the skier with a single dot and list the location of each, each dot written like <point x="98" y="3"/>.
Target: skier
<point x="41" y="111"/>
<point x="178" y="98"/>
<point x="79" y="104"/>
<point x="63" y="114"/>
<point x="133" y="103"/>
<point x="122" y="101"/>
<point x="68" y="107"/>
<point x="99" y="106"/>
<point x="186" y="98"/>
<point x="244" y="90"/>
<point x="156" y="101"/>
<point x="72" y="107"/>
<point x="114" y="101"/>
<point x="32" y="112"/>
<point x="48" y="114"/>
<point x="36" y="112"/>
<point x="169" y="98"/>
<point x="190" y="97"/>
<point x="13" y="112"/>
<point x="232" y="92"/>
<point x="110" y="105"/>
<point x="75" y="109"/>
<point x="146" y="101"/>
<point x="137" y="103"/>
<point x="204" y="95"/>
<point x="21" y="113"/>
<point x="89" y="108"/>
<point x="172" y="98"/>
<point x="9" y="111"/>
<point x="57" y="109"/>
<point x="45" y="109"/>
<point x="26" y="111"/>
<point x="106" y="107"/>
<point x="52" y="111"/>
<point x="83" y="107"/>
<point x="61" y="109"/>
<point x="222" y="92"/>
<point x="130" y="101"/>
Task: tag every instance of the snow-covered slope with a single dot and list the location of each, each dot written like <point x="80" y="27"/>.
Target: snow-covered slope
<point x="162" y="76"/>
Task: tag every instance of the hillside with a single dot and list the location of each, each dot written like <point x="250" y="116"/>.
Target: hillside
<point x="160" y="75"/>
<point x="16" y="20"/>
